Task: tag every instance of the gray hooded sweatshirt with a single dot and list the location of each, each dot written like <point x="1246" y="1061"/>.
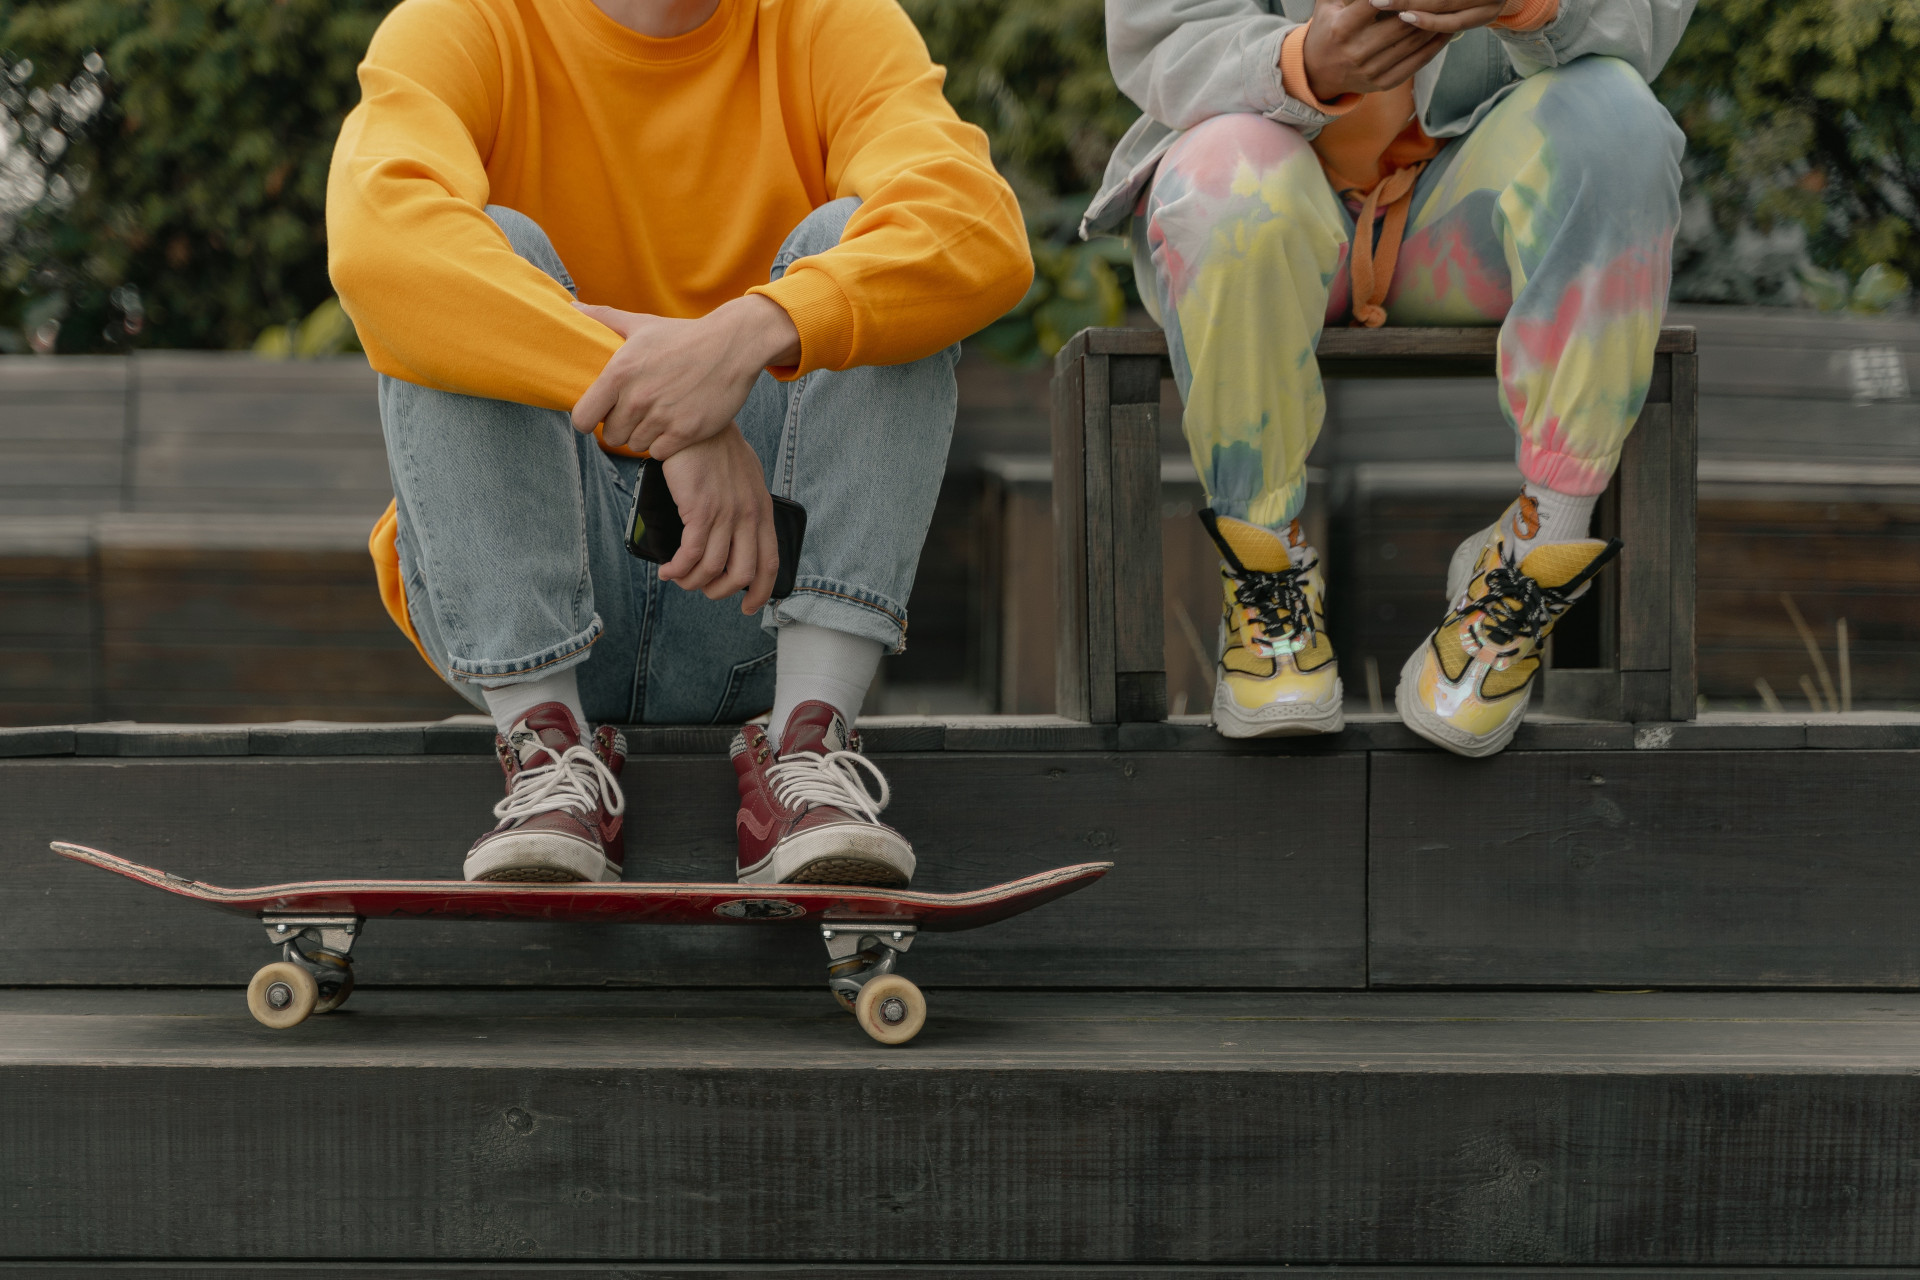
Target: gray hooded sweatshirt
<point x="1184" y="61"/>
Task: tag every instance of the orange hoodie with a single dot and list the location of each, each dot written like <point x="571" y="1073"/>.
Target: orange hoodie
<point x="667" y="172"/>
<point x="1374" y="148"/>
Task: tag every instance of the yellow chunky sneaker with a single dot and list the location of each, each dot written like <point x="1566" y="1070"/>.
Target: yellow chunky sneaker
<point x="1467" y="687"/>
<point x="1277" y="674"/>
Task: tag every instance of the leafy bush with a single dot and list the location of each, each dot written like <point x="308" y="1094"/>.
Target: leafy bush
<point x="1803" y="126"/>
<point x="206" y="179"/>
<point x="198" y="191"/>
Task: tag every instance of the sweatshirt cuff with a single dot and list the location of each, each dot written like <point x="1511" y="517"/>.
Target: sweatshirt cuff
<point x="1526" y="15"/>
<point x="1293" y="71"/>
<point x="821" y="314"/>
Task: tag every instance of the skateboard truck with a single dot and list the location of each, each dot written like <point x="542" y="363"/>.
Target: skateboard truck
<point x="313" y="978"/>
<point x="861" y="958"/>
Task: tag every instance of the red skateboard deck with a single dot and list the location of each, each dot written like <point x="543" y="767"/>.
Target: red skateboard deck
<point x="866" y="929"/>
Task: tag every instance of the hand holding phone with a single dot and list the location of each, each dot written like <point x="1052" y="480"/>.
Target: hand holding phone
<point x="655" y="527"/>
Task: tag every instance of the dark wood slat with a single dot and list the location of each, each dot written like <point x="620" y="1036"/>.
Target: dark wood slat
<point x="1736" y="1131"/>
<point x="1645" y="565"/>
<point x="1097" y="533"/>
<point x="888" y="1271"/>
<point x="1070" y="549"/>
<point x="1647" y="868"/>
<point x="1346" y="343"/>
<point x="1286" y="891"/>
<point x="1683" y="532"/>
<point x="1138" y="641"/>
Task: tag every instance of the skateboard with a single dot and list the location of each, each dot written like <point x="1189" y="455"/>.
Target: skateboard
<point x="316" y="922"/>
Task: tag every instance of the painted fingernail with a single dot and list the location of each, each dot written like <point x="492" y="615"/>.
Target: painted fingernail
<point x="1410" y="19"/>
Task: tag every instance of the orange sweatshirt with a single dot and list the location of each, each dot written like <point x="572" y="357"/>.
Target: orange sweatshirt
<point x="1374" y="148"/>
<point x="667" y="172"/>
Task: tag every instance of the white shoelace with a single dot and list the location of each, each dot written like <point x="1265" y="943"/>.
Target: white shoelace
<point x="563" y="785"/>
<point x="803" y="780"/>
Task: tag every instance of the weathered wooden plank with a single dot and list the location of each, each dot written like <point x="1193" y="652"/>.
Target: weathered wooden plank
<point x="1474" y="1130"/>
<point x="1287" y="889"/>
<point x="889" y="1271"/>
<point x="1339" y="343"/>
<point x="1139" y="644"/>
<point x="1097" y="535"/>
<point x="1071" y="693"/>
<point x="1645" y="565"/>
<point x="1683" y="532"/>
<point x="1647" y="868"/>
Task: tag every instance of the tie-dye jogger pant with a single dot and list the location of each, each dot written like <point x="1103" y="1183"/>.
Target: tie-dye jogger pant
<point x="1554" y="217"/>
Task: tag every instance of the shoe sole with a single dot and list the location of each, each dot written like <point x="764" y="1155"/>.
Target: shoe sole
<point x="845" y="853"/>
<point x="540" y="857"/>
<point x="1415" y="715"/>
<point x="1277" y="720"/>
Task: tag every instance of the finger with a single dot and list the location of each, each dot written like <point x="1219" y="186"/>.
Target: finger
<point x="621" y="420"/>
<point x="1351" y="20"/>
<point x="1381" y="39"/>
<point x="693" y="549"/>
<point x="741" y="568"/>
<point x="761" y="589"/>
<point x="1451" y="23"/>
<point x="1392" y="53"/>
<point x="621" y="322"/>
<point x="1403" y="70"/>
<point x="591" y="408"/>
<point x="713" y="562"/>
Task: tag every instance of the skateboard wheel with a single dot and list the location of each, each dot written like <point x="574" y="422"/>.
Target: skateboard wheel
<point x="841" y="998"/>
<point x="282" y="994"/>
<point x="891" y="1009"/>
<point x="338" y="997"/>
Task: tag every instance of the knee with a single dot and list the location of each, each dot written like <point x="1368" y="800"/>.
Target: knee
<point x="818" y="232"/>
<point x="526" y="238"/>
<point x="1606" y="126"/>
<point x="1232" y="168"/>
<point x="1215" y="154"/>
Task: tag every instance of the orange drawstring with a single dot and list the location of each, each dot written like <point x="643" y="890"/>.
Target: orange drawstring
<point x="1371" y="270"/>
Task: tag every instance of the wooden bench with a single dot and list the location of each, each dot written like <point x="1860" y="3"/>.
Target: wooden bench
<point x="1106" y="494"/>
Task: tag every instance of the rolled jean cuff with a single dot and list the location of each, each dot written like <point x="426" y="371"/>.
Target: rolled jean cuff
<point x="570" y="652"/>
<point x="822" y="602"/>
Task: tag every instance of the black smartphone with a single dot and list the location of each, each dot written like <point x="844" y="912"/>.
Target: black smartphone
<point x="654" y="526"/>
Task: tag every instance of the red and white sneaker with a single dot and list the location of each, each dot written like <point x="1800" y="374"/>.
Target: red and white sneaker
<point x="561" y="819"/>
<point x="806" y="815"/>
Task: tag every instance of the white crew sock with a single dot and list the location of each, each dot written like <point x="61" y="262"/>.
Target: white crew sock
<point x="819" y="664"/>
<point x="510" y="703"/>
<point x="1564" y="517"/>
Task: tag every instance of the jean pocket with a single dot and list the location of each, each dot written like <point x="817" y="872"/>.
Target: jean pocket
<point x="749" y="689"/>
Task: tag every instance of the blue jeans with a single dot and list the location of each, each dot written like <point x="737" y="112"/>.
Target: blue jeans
<point x="512" y="527"/>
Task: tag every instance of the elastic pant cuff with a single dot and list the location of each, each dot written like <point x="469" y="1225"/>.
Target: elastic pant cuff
<point x="1565" y="473"/>
<point x="570" y="652"/>
<point x="821" y="602"/>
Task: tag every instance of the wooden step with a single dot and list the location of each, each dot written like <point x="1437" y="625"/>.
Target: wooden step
<point x="1733" y="1130"/>
<point x="1730" y="852"/>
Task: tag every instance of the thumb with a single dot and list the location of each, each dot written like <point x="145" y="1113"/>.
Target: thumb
<point x="621" y="322"/>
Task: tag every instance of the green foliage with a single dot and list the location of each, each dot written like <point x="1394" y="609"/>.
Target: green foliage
<point x="206" y="187"/>
<point x="198" y="193"/>
<point x="1034" y="76"/>
<point x="1806" y="114"/>
<point x="325" y="332"/>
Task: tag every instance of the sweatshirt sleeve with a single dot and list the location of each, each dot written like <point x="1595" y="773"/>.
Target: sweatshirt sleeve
<point x="937" y="249"/>
<point x="437" y="294"/>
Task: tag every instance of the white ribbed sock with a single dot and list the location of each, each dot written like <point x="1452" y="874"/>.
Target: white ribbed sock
<point x="509" y="704"/>
<point x="1564" y="517"/>
<point x="823" y="665"/>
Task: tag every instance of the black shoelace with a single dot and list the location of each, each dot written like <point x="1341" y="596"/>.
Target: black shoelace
<point x="1516" y="607"/>
<point x="1277" y="600"/>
